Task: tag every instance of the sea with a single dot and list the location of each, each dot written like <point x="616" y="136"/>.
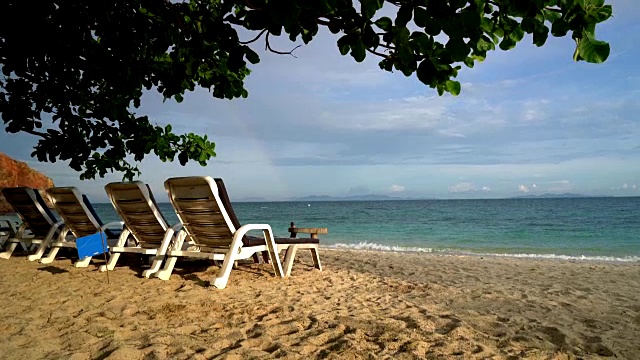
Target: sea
<point x="588" y="229"/>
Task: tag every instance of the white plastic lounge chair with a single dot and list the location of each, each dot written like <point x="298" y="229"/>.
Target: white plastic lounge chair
<point x="203" y="207"/>
<point x="135" y="204"/>
<point x="290" y="244"/>
<point x="80" y="219"/>
<point x="39" y="225"/>
<point x="207" y="224"/>
<point x="7" y="229"/>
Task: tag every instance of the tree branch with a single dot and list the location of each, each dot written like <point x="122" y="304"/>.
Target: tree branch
<point x="36" y="133"/>
<point x="254" y="39"/>
<point x="268" y="47"/>
<point x="379" y="54"/>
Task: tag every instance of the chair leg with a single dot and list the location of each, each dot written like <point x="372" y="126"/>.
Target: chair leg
<point x="46" y="243"/>
<point x="113" y="259"/>
<point x="10" y="250"/>
<point x="288" y="259"/>
<point x="41" y="249"/>
<point x="265" y="257"/>
<point x="111" y="264"/>
<point x="222" y="279"/>
<point x="273" y="252"/>
<point x="24" y="247"/>
<point x="315" y="254"/>
<point x="155" y="266"/>
<point x="166" y="271"/>
<point x="51" y="256"/>
<point x="170" y="261"/>
<point x="82" y="263"/>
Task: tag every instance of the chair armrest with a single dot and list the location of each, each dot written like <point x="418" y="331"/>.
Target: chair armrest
<point x="176" y="227"/>
<point x="113" y="224"/>
<point x="244" y="229"/>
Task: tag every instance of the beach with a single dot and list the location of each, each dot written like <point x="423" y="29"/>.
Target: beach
<point x="364" y="305"/>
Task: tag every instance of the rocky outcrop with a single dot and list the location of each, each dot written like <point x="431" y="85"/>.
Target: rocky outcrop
<point x="17" y="173"/>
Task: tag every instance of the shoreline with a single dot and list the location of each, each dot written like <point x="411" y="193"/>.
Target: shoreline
<point x="363" y="305"/>
<point x="532" y="256"/>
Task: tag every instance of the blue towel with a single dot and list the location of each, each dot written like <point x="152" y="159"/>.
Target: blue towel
<point x="92" y="245"/>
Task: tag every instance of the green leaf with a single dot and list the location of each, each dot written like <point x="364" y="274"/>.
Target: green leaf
<point x="344" y="44"/>
<point x="529" y="25"/>
<point x="433" y="27"/>
<point x="255" y="20"/>
<point x="384" y="23"/>
<point x="368" y="8"/>
<point x="517" y="34"/>
<point x="599" y="14"/>
<point x="421" y="17"/>
<point x="540" y="35"/>
<point x="426" y="72"/>
<point x="458" y="49"/>
<point x="453" y="87"/>
<point x="403" y="16"/>
<point x="252" y="56"/>
<point x="507" y="43"/>
<point x="484" y="45"/>
<point x="592" y="50"/>
<point x="560" y="28"/>
<point x="358" y="51"/>
<point x="469" y="62"/>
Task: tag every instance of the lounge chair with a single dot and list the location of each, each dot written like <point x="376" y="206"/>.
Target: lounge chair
<point x="203" y="207"/>
<point x="39" y="225"/>
<point x="151" y="234"/>
<point x="7" y="229"/>
<point x="80" y="219"/>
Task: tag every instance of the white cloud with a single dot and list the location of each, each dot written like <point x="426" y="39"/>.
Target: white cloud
<point x="523" y="188"/>
<point x="560" y="186"/>
<point x="466" y="186"/>
<point x="625" y="187"/>
<point x="396" y="188"/>
<point x="463" y="186"/>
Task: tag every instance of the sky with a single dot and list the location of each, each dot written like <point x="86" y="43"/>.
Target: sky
<point x="528" y="121"/>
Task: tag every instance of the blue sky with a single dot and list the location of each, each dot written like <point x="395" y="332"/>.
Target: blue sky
<point x="528" y="121"/>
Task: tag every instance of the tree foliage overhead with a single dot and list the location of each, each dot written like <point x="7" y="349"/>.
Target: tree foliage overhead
<point x="74" y="71"/>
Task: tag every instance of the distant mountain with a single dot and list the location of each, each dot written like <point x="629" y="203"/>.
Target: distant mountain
<point x="554" y="196"/>
<point x="368" y="197"/>
<point x="252" y="199"/>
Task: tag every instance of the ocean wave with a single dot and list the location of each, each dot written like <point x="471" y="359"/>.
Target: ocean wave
<point x="378" y="247"/>
<point x="410" y="249"/>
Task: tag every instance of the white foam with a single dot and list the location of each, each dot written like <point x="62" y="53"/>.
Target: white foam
<point x="373" y="246"/>
<point x="394" y="248"/>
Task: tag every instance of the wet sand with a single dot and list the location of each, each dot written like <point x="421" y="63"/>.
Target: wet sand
<point x="364" y="305"/>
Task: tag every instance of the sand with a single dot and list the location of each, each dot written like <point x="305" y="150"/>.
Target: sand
<point x="364" y="305"/>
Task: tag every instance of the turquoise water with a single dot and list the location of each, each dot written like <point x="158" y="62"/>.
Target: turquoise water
<point x="579" y="228"/>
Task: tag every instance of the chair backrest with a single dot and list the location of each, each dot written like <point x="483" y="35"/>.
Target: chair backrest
<point x="226" y="203"/>
<point x="76" y="211"/>
<point x="135" y="204"/>
<point x="199" y="207"/>
<point x="31" y="208"/>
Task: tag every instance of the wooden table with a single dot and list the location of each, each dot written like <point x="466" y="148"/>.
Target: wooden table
<point x="313" y="231"/>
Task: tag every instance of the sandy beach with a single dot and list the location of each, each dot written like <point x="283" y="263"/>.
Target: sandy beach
<point x="364" y="305"/>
